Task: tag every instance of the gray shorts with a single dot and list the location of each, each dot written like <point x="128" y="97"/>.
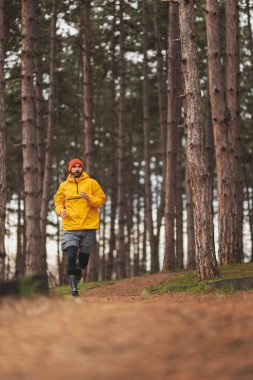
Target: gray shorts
<point x="83" y="239"/>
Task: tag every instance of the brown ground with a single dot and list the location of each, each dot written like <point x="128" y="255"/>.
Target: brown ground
<point x="118" y="333"/>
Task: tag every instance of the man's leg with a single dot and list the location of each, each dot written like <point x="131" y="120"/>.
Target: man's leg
<point x="73" y="271"/>
<point x="85" y="247"/>
<point x="83" y="259"/>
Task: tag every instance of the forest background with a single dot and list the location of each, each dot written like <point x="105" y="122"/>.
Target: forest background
<point x="106" y="81"/>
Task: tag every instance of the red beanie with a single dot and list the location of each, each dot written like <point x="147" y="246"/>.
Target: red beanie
<point x="75" y="161"/>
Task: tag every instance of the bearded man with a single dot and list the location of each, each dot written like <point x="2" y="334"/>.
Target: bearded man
<point x="77" y="202"/>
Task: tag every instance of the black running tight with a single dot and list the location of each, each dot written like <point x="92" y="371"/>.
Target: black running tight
<point x="72" y="259"/>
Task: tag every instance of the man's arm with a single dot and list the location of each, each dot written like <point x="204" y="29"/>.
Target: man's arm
<point x="59" y="202"/>
<point x="97" y="198"/>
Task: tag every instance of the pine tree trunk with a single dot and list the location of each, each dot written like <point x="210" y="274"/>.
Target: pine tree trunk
<point x="224" y="149"/>
<point x="199" y="179"/>
<point x="20" y="257"/>
<point x="113" y="195"/>
<point x="2" y="146"/>
<point x="231" y="15"/>
<point x="247" y="176"/>
<point x="209" y="143"/>
<point x="146" y="140"/>
<point x="88" y="126"/>
<point x="121" y="155"/>
<point x="191" y="262"/>
<point x="30" y="167"/>
<point x="39" y="102"/>
<point x="161" y="83"/>
<point x="50" y="131"/>
<point x="171" y="150"/>
<point x="239" y="142"/>
<point x="179" y="201"/>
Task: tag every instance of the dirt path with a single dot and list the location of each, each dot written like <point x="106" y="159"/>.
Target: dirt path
<point x="114" y="333"/>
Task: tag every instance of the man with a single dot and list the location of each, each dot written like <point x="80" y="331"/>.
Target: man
<point x="77" y="202"/>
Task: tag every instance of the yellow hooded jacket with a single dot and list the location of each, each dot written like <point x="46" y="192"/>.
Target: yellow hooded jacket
<point x="81" y="214"/>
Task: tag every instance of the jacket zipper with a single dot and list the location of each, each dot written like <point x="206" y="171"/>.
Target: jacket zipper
<point x="76" y="186"/>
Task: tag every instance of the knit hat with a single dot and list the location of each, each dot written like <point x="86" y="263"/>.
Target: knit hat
<point x="75" y="161"/>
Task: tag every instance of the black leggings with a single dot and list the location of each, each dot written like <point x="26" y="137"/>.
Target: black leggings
<point x="72" y="258"/>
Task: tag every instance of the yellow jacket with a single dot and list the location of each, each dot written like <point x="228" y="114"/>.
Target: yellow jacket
<point x="81" y="214"/>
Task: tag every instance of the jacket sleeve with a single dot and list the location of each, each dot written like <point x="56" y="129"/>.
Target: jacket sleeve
<point x="97" y="199"/>
<point x="59" y="200"/>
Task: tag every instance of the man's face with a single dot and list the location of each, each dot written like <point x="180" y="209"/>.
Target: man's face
<point x="76" y="170"/>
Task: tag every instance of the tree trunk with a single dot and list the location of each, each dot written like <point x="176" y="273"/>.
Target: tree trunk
<point x="20" y="256"/>
<point x="162" y="109"/>
<point x="239" y="142"/>
<point x="88" y="126"/>
<point x="39" y="102"/>
<point x="231" y="35"/>
<point x="50" y="131"/>
<point x="113" y="197"/>
<point x="247" y="176"/>
<point x="199" y="178"/>
<point x="209" y="143"/>
<point x="146" y="140"/>
<point x="191" y="262"/>
<point x="2" y="146"/>
<point x="121" y="155"/>
<point x="224" y="149"/>
<point x="171" y="151"/>
<point x="30" y="167"/>
<point x="179" y="201"/>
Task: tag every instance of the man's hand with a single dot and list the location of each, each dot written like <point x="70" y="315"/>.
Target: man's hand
<point x="85" y="196"/>
<point x="63" y="213"/>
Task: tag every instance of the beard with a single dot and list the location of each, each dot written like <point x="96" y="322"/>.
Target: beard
<point x="77" y="174"/>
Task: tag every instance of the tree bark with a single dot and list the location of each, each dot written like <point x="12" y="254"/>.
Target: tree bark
<point x="88" y="126"/>
<point x="162" y="111"/>
<point x="2" y="146"/>
<point x="199" y="178"/>
<point x="39" y="102"/>
<point x="179" y="200"/>
<point x="224" y="147"/>
<point x="113" y="204"/>
<point x="121" y="154"/>
<point x="30" y="167"/>
<point x="146" y="140"/>
<point x="231" y="75"/>
<point x="50" y="132"/>
<point x="171" y="150"/>
<point x="191" y="262"/>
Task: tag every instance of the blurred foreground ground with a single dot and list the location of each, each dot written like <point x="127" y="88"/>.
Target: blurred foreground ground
<point x="118" y="333"/>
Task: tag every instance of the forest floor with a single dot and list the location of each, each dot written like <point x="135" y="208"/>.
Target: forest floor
<point x="118" y="332"/>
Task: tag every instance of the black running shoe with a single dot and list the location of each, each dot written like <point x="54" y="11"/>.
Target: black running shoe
<point x="75" y="293"/>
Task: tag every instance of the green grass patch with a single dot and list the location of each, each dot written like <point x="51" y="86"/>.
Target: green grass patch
<point x="188" y="282"/>
<point x="82" y="286"/>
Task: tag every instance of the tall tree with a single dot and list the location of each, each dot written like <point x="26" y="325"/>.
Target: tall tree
<point x="30" y="166"/>
<point x="199" y="178"/>
<point x="171" y="151"/>
<point x="233" y="118"/>
<point x="121" y="150"/>
<point x="39" y="101"/>
<point x="113" y="167"/>
<point x="191" y="262"/>
<point x="88" y="126"/>
<point x="50" y="131"/>
<point x="2" y="146"/>
<point x="224" y="147"/>
<point x="162" y="114"/>
<point x="146" y="134"/>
